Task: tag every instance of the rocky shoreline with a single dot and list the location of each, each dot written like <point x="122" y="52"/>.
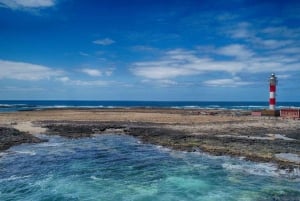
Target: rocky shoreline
<point x="10" y="137"/>
<point x="251" y="148"/>
<point x="255" y="139"/>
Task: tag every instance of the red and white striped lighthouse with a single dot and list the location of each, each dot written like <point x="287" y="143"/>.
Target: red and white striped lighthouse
<point x="272" y="100"/>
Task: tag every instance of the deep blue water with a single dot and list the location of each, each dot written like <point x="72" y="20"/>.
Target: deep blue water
<point x="8" y="106"/>
<point x="117" y="167"/>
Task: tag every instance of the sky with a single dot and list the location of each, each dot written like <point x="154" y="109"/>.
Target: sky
<point x="170" y="50"/>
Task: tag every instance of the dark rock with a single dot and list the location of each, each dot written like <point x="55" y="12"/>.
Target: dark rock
<point x="10" y="137"/>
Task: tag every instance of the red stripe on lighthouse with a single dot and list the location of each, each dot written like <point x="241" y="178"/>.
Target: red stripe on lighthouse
<point x="272" y="101"/>
<point x="272" y="88"/>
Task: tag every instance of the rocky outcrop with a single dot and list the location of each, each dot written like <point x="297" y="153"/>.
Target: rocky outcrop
<point x="10" y="137"/>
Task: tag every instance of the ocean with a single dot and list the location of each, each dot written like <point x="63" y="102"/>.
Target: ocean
<point x="11" y="106"/>
<point x="119" y="167"/>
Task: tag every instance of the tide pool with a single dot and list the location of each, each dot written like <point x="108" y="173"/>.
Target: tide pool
<point x="118" y="167"/>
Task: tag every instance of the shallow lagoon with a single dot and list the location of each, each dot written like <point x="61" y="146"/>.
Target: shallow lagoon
<point x="118" y="167"/>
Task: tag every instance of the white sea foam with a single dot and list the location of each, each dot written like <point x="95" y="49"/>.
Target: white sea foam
<point x="14" y="177"/>
<point x="31" y="153"/>
<point x="292" y="107"/>
<point x="164" y="149"/>
<point x="214" y="106"/>
<point x="250" y="106"/>
<point x="6" y="105"/>
<point x="3" y="154"/>
<point x="50" y="144"/>
<point x="261" y="169"/>
<point x="289" y="157"/>
<point x="94" y="177"/>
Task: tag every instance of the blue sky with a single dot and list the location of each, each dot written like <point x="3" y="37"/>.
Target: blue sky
<point x="149" y="50"/>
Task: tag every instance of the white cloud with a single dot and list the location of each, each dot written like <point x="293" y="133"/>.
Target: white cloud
<point x="269" y="43"/>
<point x="155" y="72"/>
<point x="181" y="63"/>
<point x="283" y="76"/>
<point x="235" y="50"/>
<point x="178" y="63"/>
<point x="282" y="31"/>
<point x="91" y="83"/>
<point x="63" y="79"/>
<point x="272" y="44"/>
<point x="109" y="71"/>
<point x="289" y="50"/>
<point x="21" y="89"/>
<point x="104" y="42"/>
<point x="230" y="82"/>
<point x="144" y="48"/>
<point x="95" y="83"/>
<point x="264" y="38"/>
<point x="92" y="72"/>
<point x="84" y="54"/>
<point x="19" y="4"/>
<point x="241" y="31"/>
<point x="26" y="71"/>
<point x="97" y="73"/>
<point x="162" y="82"/>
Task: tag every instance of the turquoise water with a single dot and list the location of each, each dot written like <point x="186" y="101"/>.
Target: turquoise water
<point x="117" y="167"/>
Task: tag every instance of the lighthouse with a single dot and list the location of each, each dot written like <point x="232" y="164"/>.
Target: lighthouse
<point x="272" y="99"/>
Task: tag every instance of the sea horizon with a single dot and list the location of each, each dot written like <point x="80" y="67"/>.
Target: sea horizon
<point x="21" y="105"/>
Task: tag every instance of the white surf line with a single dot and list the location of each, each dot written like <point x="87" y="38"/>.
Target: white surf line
<point x="270" y="137"/>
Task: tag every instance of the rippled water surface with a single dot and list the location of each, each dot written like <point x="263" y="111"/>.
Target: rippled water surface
<point x="116" y="167"/>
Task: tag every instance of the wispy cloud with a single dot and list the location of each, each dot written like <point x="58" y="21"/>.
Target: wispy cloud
<point x="63" y="79"/>
<point x="179" y="63"/>
<point x="228" y="82"/>
<point x="109" y="71"/>
<point x="104" y="42"/>
<point x="144" y="48"/>
<point x="240" y="31"/>
<point x="91" y="83"/>
<point x="92" y="72"/>
<point x="161" y="83"/>
<point x="289" y="50"/>
<point x="84" y="54"/>
<point x="272" y="44"/>
<point x="263" y="37"/>
<point x="97" y="72"/>
<point x="236" y="50"/>
<point x="21" y="89"/>
<point x="23" y="4"/>
<point x="26" y="71"/>
<point x="282" y="31"/>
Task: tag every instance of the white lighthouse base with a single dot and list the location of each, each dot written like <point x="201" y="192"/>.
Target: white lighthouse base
<point x="272" y="107"/>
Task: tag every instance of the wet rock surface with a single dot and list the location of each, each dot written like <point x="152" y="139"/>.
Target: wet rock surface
<point x="10" y="137"/>
<point x="259" y="150"/>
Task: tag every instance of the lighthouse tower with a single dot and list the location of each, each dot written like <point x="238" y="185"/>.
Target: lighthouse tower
<point x="272" y="100"/>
